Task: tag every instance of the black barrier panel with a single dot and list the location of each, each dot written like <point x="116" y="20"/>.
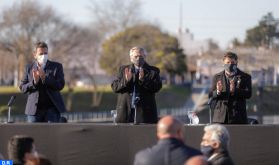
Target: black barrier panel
<point x="103" y="144"/>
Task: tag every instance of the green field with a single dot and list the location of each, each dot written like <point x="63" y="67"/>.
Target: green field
<point x="168" y="97"/>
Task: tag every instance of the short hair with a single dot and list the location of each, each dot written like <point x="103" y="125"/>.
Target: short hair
<point x="18" y="145"/>
<point x="231" y="55"/>
<point x="138" y="49"/>
<point x="219" y="133"/>
<point x="40" y="44"/>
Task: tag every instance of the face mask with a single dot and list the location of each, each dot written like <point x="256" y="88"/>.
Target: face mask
<point x="138" y="61"/>
<point x="207" y="150"/>
<point x="42" y="59"/>
<point x="230" y="67"/>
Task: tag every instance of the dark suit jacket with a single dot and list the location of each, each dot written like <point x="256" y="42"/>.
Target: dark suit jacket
<point x="222" y="158"/>
<point x="54" y="82"/>
<point x="226" y="105"/>
<point x="146" y="109"/>
<point x="166" y="152"/>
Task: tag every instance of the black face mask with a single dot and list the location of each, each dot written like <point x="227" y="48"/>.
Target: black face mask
<point x="230" y="67"/>
<point x="138" y="61"/>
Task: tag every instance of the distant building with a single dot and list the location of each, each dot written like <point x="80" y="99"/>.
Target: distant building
<point x="191" y="46"/>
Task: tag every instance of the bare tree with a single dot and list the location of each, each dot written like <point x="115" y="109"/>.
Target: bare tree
<point x="23" y="24"/>
<point x="6" y="68"/>
<point x="27" y="22"/>
<point x="87" y="63"/>
<point x="112" y="16"/>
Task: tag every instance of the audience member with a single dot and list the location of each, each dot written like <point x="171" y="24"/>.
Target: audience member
<point x="215" y="144"/>
<point x="21" y="148"/>
<point x="170" y="148"/>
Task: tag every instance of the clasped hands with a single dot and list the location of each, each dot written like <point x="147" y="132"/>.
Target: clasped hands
<point x="128" y="74"/>
<point x="38" y="73"/>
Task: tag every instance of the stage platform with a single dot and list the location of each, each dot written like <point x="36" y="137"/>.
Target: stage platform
<point x="109" y="144"/>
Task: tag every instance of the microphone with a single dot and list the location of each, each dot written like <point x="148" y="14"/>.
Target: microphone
<point x="11" y="101"/>
<point x="210" y="109"/>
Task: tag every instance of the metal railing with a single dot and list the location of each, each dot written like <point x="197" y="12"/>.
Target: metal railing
<point x="107" y="116"/>
<point x="100" y="116"/>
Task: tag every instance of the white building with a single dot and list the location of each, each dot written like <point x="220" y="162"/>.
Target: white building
<point x="191" y="46"/>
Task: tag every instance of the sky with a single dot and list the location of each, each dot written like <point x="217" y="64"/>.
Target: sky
<point x="221" y="20"/>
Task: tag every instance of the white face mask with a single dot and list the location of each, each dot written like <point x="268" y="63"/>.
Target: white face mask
<point x="42" y="59"/>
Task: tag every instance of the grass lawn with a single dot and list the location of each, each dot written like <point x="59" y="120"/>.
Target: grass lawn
<point x="168" y="97"/>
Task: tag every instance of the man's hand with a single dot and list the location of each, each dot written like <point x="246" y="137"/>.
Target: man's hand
<point x="36" y="76"/>
<point x="219" y="87"/>
<point x="42" y="73"/>
<point x="141" y="74"/>
<point x="128" y="74"/>
<point x="232" y="86"/>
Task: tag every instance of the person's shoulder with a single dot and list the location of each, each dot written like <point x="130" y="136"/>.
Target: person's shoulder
<point x="151" y="67"/>
<point x="143" y="152"/>
<point x="187" y="150"/>
<point x="153" y="150"/>
<point x="192" y="151"/>
<point x="222" y="159"/>
<point x="219" y="74"/>
<point x="143" y="155"/>
<point x="30" y="65"/>
<point x="54" y="63"/>
<point x="154" y="68"/>
<point x="122" y="67"/>
<point x="244" y="74"/>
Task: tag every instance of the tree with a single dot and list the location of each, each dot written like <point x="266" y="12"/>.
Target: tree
<point x="25" y="23"/>
<point x="111" y="16"/>
<point x="7" y="66"/>
<point x="163" y="50"/>
<point x="87" y="62"/>
<point x="264" y="33"/>
<point x="236" y="43"/>
<point x="213" y="45"/>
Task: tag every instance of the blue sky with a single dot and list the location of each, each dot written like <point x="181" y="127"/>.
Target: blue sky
<point x="221" y="20"/>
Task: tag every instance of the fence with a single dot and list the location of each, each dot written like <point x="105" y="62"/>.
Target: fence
<point x="108" y="116"/>
<point x="100" y="116"/>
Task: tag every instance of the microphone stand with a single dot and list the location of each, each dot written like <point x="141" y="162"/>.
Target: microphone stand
<point x="135" y="100"/>
<point x="209" y="105"/>
<point x="9" y="114"/>
<point x="10" y="108"/>
<point x="134" y="104"/>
